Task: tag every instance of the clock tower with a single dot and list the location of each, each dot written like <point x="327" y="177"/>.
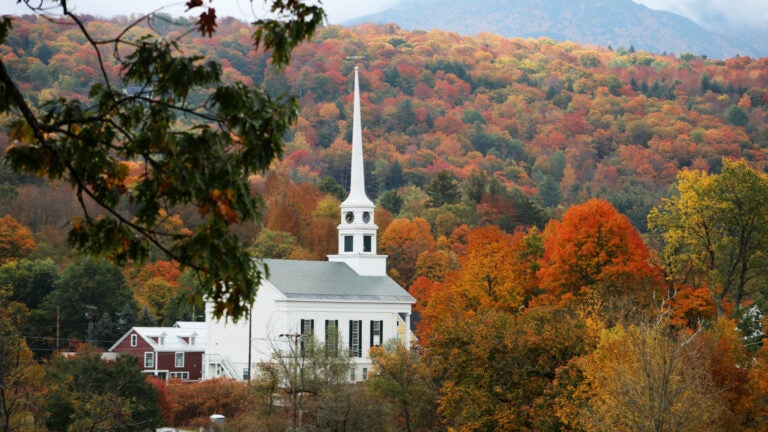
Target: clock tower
<point x="357" y="230"/>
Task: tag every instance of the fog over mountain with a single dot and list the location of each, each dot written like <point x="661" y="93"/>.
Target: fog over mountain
<point x="717" y="28"/>
<point x="615" y="23"/>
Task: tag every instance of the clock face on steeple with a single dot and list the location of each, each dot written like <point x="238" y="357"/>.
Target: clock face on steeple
<point x="349" y="217"/>
<point x="366" y="217"/>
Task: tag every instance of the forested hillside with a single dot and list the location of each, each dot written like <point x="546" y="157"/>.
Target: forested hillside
<point x="557" y="121"/>
<point x="583" y="230"/>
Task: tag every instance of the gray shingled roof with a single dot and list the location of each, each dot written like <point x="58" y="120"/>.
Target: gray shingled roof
<point x="331" y="281"/>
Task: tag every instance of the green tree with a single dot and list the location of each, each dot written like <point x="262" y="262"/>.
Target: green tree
<point x="394" y="177"/>
<point x="204" y="160"/>
<point x="549" y="191"/>
<point x="714" y="232"/>
<point x="736" y="116"/>
<point x="30" y="281"/>
<point x="86" y="291"/>
<point x="274" y="244"/>
<point x="443" y="189"/>
<point x="495" y="366"/>
<point x="391" y="201"/>
<point x="330" y="186"/>
<point x="476" y="185"/>
<point x="86" y="393"/>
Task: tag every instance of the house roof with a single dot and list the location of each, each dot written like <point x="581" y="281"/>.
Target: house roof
<point x="196" y="325"/>
<point x="177" y="338"/>
<point x="327" y="280"/>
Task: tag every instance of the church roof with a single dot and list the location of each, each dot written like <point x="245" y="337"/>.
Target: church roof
<point x="327" y="280"/>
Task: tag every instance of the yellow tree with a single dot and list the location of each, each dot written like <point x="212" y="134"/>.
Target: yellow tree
<point x="20" y="375"/>
<point x="494" y="268"/>
<point x="714" y="232"/>
<point x="641" y="379"/>
<point x="400" y="377"/>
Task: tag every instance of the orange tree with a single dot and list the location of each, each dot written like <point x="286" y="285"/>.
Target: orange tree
<point x="595" y="253"/>
<point x="493" y="356"/>
<point x="404" y="240"/>
<point x="16" y="240"/>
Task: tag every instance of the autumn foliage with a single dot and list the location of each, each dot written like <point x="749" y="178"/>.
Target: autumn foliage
<point x="594" y="249"/>
<point x="16" y="240"/>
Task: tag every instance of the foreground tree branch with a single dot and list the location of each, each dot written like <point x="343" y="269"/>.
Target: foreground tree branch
<point x="200" y="156"/>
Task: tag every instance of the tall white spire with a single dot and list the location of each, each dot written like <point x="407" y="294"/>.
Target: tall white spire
<point x="357" y="194"/>
<point x="357" y="229"/>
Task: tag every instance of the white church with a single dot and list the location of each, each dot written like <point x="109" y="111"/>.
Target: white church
<point x="349" y="295"/>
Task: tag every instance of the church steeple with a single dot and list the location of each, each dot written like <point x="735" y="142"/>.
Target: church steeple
<point x="357" y="194"/>
<point x="357" y="230"/>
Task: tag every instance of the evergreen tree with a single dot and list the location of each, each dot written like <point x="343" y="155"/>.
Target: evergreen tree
<point x="391" y="201"/>
<point x="549" y="192"/>
<point x="395" y="177"/>
<point x="443" y="189"/>
<point x="330" y="186"/>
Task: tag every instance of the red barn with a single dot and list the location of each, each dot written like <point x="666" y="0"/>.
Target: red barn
<point x="167" y="352"/>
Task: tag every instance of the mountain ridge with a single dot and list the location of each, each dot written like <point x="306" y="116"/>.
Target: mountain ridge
<point x="615" y="23"/>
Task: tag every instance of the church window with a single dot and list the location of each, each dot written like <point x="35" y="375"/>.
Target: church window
<point x="347" y="243"/>
<point x="355" y="338"/>
<point x="366" y="217"/>
<point x="331" y="337"/>
<point x="366" y="243"/>
<point x="376" y="333"/>
<point x="307" y="330"/>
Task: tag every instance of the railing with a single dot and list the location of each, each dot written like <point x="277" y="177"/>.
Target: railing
<point x="221" y="362"/>
<point x="229" y="368"/>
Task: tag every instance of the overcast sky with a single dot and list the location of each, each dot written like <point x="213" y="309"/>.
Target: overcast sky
<point x="749" y="12"/>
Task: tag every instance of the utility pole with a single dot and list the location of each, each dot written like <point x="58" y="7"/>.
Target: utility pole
<point x="250" y="338"/>
<point x="58" y="327"/>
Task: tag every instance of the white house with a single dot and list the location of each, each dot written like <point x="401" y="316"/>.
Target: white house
<point x="350" y="292"/>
